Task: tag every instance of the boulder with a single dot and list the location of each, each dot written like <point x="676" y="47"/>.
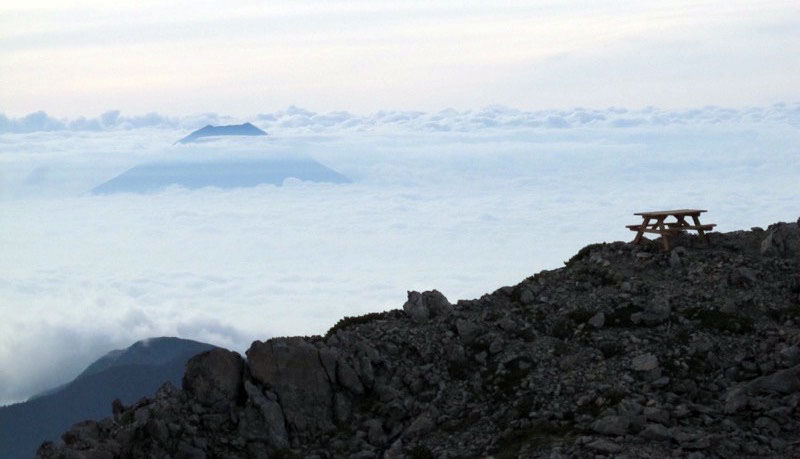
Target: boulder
<point x="420" y="426"/>
<point x="598" y="320"/>
<point x="467" y="331"/>
<point x="783" y="240"/>
<point x="783" y="382"/>
<point x="655" y="431"/>
<point x="604" y="446"/>
<point x="655" y="312"/>
<point x="644" y="362"/>
<point x="214" y="377"/>
<point x="291" y="368"/>
<point x="611" y="425"/>
<point x="422" y="306"/>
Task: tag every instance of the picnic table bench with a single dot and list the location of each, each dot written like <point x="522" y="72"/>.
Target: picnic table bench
<point x="655" y="222"/>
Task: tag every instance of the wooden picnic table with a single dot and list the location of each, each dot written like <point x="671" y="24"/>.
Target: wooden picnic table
<point x="655" y="222"/>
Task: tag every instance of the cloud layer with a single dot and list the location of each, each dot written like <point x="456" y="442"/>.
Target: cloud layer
<point x="485" y="203"/>
<point x="493" y="117"/>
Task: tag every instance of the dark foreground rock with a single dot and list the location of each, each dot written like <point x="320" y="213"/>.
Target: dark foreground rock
<point x="626" y="351"/>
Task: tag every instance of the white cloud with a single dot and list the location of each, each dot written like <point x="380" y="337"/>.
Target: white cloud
<point x="495" y="197"/>
<point x="298" y="120"/>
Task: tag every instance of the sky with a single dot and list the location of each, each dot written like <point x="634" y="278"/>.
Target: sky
<point x="484" y="144"/>
<point x="84" y="57"/>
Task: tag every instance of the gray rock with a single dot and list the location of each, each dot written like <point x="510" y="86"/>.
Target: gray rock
<point x="416" y="308"/>
<point x="375" y="434"/>
<point x="598" y="320"/>
<point x="604" y="446"/>
<point x="329" y="359"/>
<point x="736" y="400"/>
<point x="496" y="346"/>
<point x="342" y="407"/>
<point x="526" y="297"/>
<point x="656" y="414"/>
<point x="467" y="331"/>
<point x="141" y="416"/>
<point x="366" y="371"/>
<point x="421" y="425"/>
<point x="769" y="425"/>
<point x="644" y="362"/>
<point x="675" y="260"/>
<point x="271" y="412"/>
<point x="629" y="408"/>
<point x="790" y="356"/>
<point x="214" y="376"/>
<point x="655" y="431"/>
<point x="742" y="277"/>
<point x="422" y="306"/>
<point x="190" y="452"/>
<point x="348" y="378"/>
<point x="684" y="436"/>
<point x="681" y="411"/>
<point x="455" y="353"/>
<point x="656" y="311"/>
<point x="782" y="240"/>
<point x="291" y="368"/>
<point x="784" y="381"/>
<point x="611" y="425"/>
<point x="395" y="451"/>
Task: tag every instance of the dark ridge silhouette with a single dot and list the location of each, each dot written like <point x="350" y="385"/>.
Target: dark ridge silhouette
<point x="127" y="374"/>
<point x="212" y="131"/>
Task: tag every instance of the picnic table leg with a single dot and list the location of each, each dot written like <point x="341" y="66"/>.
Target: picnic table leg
<point x="700" y="231"/>
<point x="640" y="233"/>
<point x="664" y="233"/>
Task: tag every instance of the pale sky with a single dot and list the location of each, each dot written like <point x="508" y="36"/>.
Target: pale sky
<point x="238" y="57"/>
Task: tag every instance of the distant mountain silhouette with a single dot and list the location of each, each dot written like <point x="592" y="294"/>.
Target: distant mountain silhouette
<point x="191" y="172"/>
<point x="128" y="374"/>
<point x="230" y="173"/>
<point x="213" y="131"/>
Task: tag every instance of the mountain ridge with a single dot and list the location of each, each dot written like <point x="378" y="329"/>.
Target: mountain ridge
<point x="124" y="374"/>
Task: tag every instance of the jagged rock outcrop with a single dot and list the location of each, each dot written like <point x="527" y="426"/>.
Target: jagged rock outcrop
<point x="782" y="240"/>
<point x="423" y="306"/>
<point x="692" y="353"/>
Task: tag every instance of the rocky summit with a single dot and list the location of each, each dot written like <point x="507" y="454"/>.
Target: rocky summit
<point x="625" y="351"/>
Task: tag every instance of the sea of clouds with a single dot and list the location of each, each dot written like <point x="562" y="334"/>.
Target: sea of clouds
<point x="461" y="201"/>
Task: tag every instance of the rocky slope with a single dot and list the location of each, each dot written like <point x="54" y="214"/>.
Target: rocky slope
<point x="624" y="351"/>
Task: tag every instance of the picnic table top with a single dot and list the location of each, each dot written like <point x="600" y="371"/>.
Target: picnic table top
<point x="664" y="213"/>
